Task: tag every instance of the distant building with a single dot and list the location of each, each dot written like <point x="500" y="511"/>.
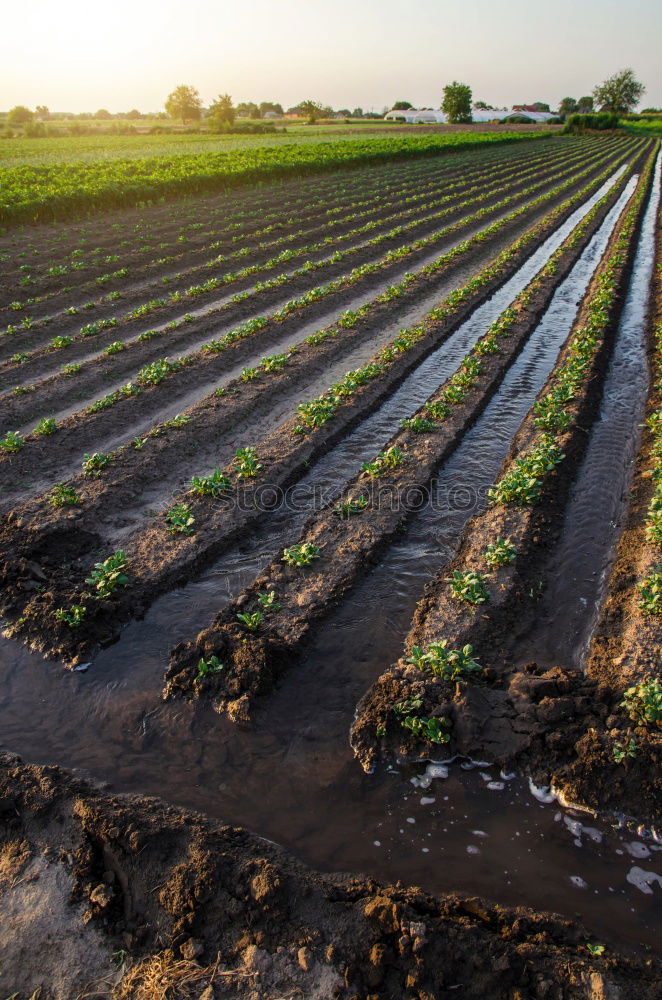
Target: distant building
<point x="414" y="117"/>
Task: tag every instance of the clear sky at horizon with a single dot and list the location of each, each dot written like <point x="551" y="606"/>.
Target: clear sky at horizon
<point x="73" y="55"/>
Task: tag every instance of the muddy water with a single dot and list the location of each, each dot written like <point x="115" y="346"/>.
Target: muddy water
<point x="291" y="777"/>
<point x="579" y="569"/>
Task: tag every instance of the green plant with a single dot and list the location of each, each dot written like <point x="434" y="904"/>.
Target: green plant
<point x="210" y="666"/>
<point x="12" y="441"/>
<point x="448" y="664"/>
<point x="73" y="617"/>
<point x="210" y="486"/>
<point x="58" y="343"/>
<point x="595" y="949"/>
<point x="431" y="729"/>
<point x="522" y="484"/>
<point x="108" y="575"/>
<point x="93" y="464"/>
<point x="251" y="621"/>
<point x="643" y="703"/>
<point x="386" y="460"/>
<point x="650" y="590"/>
<point x="419" y="425"/>
<point x="71" y="369"/>
<point x="269" y="601"/>
<point x="468" y="586"/>
<point x="19" y="358"/>
<point x="622" y="749"/>
<point x="301" y="555"/>
<point x="246" y="462"/>
<point x="350" y="507"/>
<point x="500" y="553"/>
<point x="115" y="347"/>
<point x="45" y="427"/>
<point x="63" y="496"/>
<point x="180" y="519"/>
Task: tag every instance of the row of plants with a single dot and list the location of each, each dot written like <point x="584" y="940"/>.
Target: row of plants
<point x="341" y="531"/>
<point x="332" y="213"/>
<point x="199" y="220"/>
<point x="650" y="587"/>
<point x="522" y="483"/>
<point x="160" y="303"/>
<point x="347" y="322"/>
<point x="38" y="194"/>
<point x="198" y="509"/>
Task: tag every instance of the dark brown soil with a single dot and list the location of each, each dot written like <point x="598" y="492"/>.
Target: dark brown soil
<point x="160" y="903"/>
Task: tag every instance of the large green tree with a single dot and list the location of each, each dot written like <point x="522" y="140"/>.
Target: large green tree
<point x="19" y="115"/>
<point x="184" y="103"/>
<point x="585" y="105"/>
<point x="312" y="110"/>
<point x="619" y="93"/>
<point x="222" y="110"/>
<point x="568" y="106"/>
<point x="456" y="103"/>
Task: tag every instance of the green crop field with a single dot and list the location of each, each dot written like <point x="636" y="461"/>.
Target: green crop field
<point x="67" y="187"/>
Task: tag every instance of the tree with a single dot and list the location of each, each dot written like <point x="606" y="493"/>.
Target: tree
<point x="482" y="106"/>
<point x="133" y="115"/>
<point x="619" y="93"/>
<point x="103" y="115"/>
<point x="402" y="106"/>
<point x="42" y="112"/>
<point x="184" y="103"/>
<point x="312" y="109"/>
<point x="541" y="106"/>
<point x="19" y="115"/>
<point x="457" y="102"/>
<point x="568" y="106"/>
<point x="268" y="107"/>
<point x="584" y="105"/>
<point x="357" y="113"/>
<point x="248" y="109"/>
<point x="222" y="110"/>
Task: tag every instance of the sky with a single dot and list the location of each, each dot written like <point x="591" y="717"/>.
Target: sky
<point x="82" y="55"/>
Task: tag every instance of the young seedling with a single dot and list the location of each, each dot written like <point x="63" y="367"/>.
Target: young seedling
<point x="208" y="667"/>
<point x="12" y="442"/>
<point x="210" y="486"/>
<point x="348" y="508"/>
<point x="449" y="664"/>
<point x="251" y="621"/>
<point x="643" y="703"/>
<point x="93" y="464"/>
<point x="115" y="347"/>
<point x="108" y="575"/>
<point x="45" y="427"/>
<point x="419" y="425"/>
<point x="622" y="749"/>
<point x="63" y="496"/>
<point x="431" y="729"/>
<point x="650" y="590"/>
<point x="246" y="462"/>
<point x="269" y="600"/>
<point x="71" y="369"/>
<point x="180" y="519"/>
<point x="73" y="617"/>
<point x="500" y="553"/>
<point x="301" y="555"/>
<point x="386" y="460"/>
<point x="468" y="586"/>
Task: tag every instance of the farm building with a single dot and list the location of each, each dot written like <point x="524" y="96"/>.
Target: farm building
<point x="426" y="116"/>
